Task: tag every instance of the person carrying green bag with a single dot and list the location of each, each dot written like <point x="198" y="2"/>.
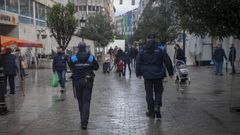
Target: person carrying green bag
<point x="60" y="61"/>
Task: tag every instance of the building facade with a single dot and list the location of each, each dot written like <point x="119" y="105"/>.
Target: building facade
<point x="85" y="8"/>
<point x="119" y="25"/>
<point x="127" y="23"/>
<point x="26" y="19"/>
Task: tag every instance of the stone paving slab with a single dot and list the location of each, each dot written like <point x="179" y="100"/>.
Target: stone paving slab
<point x="118" y="107"/>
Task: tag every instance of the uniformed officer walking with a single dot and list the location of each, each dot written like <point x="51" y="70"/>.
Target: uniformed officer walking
<point x="150" y="65"/>
<point x="82" y="65"/>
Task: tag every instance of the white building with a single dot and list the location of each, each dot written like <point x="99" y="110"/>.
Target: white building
<point x="119" y="25"/>
<point x="85" y="8"/>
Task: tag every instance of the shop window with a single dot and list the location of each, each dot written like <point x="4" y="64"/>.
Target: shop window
<point x="89" y="8"/>
<point x="26" y="20"/>
<point x="25" y="7"/>
<point x="31" y="8"/>
<point x="80" y="8"/>
<point x="36" y="11"/>
<point x="97" y="8"/>
<point x="41" y="23"/>
<point x="12" y="5"/>
<point x="84" y="8"/>
<point x="2" y="4"/>
<point x="42" y="13"/>
<point x="93" y="8"/>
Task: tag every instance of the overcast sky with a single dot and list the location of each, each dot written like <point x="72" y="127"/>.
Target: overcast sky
<point x="126" y="6"/>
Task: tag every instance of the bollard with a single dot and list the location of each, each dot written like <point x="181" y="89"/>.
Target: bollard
<point x="3" y="107"/>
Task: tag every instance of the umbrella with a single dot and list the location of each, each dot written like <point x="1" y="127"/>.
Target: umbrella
<point x="6" y="41"/>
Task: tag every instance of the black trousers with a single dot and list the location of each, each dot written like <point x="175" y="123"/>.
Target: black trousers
<point x="120" y="73"/>
<point x="83" y="89"/>
<point x="233" y="67"/>
<point x="153" y="86"/>
<point x="129" y="68"/>
<point x="11" y="81"/>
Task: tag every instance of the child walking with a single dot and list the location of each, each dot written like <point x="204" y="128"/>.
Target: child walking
<point x="120" y="67"/>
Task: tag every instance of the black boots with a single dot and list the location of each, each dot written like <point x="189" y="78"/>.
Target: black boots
<point x="157" y="111"/>
<point x="84" y="126"/>
<point x="150" y="114"/>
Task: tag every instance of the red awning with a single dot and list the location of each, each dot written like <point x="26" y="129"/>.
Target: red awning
<point x="10" y="41"/>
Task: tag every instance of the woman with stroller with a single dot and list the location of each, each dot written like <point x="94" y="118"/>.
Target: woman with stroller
<point x="179" y="53"/>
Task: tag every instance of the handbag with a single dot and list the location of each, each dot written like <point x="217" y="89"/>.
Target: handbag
<point x="24" y="64"/>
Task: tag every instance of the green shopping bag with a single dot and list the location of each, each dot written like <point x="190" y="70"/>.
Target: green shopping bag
<point x="54" y="81"/>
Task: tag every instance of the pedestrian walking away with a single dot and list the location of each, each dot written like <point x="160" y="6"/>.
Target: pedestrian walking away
<point x="60" y="67"/>
<point x="149" y="64"/>
<point x="10" y="69"/>
<point x="218" y="57"/>
<point x="133" y="55"/>
<point x="232" y="58"/>
<point x="83" y="64"/>
<point x="127" y="62"/>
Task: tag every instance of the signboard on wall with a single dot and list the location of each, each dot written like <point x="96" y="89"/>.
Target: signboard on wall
<point x="8" y="19"/>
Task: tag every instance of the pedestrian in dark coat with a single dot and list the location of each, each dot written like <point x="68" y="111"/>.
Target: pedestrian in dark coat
<point x="218" y="57"/>
<point x="83" y="64"/>
<point x="232" y="58"/>
<point x="149" y="64"/>
<point x="60" y="61"/>
<point x="127" y="62"/>
<point x="10" y="67"/>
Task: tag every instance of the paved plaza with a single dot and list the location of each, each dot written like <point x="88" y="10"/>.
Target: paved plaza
<point x="118" y="107"/>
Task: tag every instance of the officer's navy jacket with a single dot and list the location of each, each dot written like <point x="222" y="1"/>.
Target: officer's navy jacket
<point x="150" y="62"/>
<point x="83" y="67"/>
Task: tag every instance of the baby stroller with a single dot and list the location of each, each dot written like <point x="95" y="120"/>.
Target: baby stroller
<point x="182" y="75"/>
<point x="106" y="66"/>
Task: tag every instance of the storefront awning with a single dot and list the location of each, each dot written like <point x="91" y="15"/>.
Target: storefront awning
<point x="6" y="41"/>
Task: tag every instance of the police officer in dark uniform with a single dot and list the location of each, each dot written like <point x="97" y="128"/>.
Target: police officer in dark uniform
<point x="82" y="65"/>
<point x="149" y="64"/>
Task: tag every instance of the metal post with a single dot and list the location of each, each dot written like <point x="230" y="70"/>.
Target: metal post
<point x="82" y="35"/>
<point x="3" y="107"/>
<point x="184" y="44"/>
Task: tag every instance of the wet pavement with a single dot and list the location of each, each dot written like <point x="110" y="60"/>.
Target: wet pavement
<point x="118" y="107"/>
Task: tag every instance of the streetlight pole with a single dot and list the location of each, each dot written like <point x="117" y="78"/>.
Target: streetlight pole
<point x="82" y="25"/>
